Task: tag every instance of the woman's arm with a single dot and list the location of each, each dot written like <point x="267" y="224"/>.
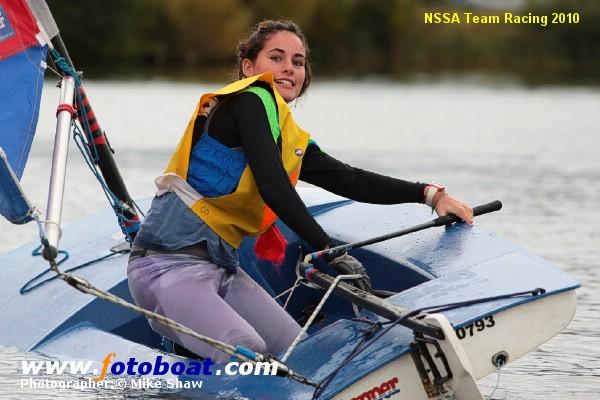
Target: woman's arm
<point x="324" y="171"/>
<point x="273" y="183"/>
<point x="333" y="175"/>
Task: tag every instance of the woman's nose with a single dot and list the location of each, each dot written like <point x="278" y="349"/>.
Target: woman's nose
<point x="287" y="66"/>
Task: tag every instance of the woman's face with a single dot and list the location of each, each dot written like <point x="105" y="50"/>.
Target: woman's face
<point x="283" y="55"/>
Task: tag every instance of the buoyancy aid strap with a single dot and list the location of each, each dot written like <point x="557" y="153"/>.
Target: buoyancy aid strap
<point x="270" y="107"/>
<point x="171" y="182"/>
<point x="216" y="104"/>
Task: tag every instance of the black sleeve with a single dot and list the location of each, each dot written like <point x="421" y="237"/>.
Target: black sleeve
<point x="324" y="171"/>
<point x="273" y="183"/>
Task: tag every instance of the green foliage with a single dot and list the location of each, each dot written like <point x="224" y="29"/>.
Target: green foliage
<point x="206" y="31"/>
<point x="570" y="48"/>
<point x="300" y="12"/>
<point x="345" y="36"/>
<point x="94" y="33"/>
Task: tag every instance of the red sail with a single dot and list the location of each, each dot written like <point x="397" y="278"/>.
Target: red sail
<point x="17" y="28"/>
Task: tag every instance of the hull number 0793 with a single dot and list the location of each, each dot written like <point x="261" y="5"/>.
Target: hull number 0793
<point x="474" y="327"/>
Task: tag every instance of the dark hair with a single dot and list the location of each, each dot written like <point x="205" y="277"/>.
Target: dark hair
<point x="254" y="43"/>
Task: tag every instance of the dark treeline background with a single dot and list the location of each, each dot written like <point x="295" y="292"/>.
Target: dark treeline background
<point x="197" y="38"/>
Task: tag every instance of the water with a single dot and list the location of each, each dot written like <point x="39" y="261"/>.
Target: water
<point x="536" y="150"/>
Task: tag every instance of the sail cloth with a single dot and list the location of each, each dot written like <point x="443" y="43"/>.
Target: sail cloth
<point x="22" y="67"/>
<point x="13" y="203"/>
<point x="42" y="14"/>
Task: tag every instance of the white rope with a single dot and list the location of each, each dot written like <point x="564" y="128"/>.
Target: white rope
<point x="499" y="365"/>
<point x="315" y="312"/>
<point x="296" y="284"/>
<point x="287" y="290"/>
<point x="45" y="221"/>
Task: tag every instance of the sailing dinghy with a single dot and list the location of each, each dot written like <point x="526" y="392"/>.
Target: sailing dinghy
<point x="453" y="302"/>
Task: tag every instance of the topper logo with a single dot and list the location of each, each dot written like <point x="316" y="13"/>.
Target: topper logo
<point x="383" y="391"/>
<point x="6" y="30"/>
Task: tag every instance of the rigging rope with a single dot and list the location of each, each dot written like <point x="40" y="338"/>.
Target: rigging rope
<point x="33" y="282"/>
<point x="117" y="205"/>
<point x="362" y="345"/>
<point x="499" y="365"/>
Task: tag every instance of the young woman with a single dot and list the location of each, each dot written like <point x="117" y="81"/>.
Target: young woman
<point x="231" y="176"/>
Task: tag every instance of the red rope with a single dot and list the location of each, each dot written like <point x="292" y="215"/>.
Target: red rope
<point x="65" y="107"/>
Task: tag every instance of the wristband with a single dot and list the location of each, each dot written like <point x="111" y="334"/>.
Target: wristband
<point x="437" y="199"/>
<point x="431" y="190"/>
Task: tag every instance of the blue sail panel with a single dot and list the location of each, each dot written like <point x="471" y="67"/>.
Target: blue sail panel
<point x="13" y="204"/>
<point x="21" y="82"/>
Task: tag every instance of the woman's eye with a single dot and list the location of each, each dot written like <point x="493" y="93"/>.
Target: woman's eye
<point x="276" y="58"/>
<point x="299" y="63"/>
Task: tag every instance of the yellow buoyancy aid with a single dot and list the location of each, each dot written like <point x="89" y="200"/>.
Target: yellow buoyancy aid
<point x="243" y="212"/>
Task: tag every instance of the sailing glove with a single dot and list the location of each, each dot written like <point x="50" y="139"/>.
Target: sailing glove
<point x="348" y="265"/>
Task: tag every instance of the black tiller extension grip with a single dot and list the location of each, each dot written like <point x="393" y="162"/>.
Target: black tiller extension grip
<point x="479" y="210"/>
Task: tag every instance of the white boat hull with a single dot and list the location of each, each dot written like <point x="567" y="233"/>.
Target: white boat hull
<point x="512" y="332"/>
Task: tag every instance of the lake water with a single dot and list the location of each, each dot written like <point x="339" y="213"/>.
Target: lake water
<point x="537" y="150"/>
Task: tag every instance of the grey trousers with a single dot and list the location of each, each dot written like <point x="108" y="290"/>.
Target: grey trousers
<point x="231" y="308"/>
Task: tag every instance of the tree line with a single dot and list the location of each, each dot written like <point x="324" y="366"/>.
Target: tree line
<point x="198" y="38"/>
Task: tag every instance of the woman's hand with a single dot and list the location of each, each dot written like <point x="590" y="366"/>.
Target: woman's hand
<point x="451" y="205"/>
<point x="348" y="265"/>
